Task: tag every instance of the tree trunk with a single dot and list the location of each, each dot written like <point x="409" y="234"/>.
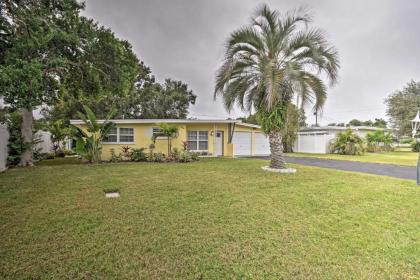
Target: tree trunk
<point x="276" y="148"/>
<point x="27" y="136"/>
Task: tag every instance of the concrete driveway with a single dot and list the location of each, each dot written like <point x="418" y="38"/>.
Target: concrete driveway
<point x="398" y="171"/>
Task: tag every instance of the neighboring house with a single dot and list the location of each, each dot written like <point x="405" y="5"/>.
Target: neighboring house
<point x="44" y="143"/>
<point x="208" y="137"/>
<point x="4" y="137"/>
<point x="317" y="139"/>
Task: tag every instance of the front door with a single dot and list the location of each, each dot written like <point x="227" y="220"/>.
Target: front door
<point x="219" y="143"/>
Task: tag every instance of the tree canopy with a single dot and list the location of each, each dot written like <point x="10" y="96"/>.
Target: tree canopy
<point x="53" y="57"/>
<point x="402" y="106"/>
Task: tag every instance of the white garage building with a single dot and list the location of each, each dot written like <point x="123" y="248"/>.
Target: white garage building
<point x="250" y="143"/>
<point x="316" y="140"/>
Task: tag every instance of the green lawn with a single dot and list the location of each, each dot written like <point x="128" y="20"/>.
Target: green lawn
<point x="399" y="157"/>
<point x="213" y="219"/>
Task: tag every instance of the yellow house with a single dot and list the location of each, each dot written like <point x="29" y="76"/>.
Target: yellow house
<point x="207" y="137"/>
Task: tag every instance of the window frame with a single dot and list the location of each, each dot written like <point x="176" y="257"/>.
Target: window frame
<point x="198" y="139"/>
<point x="125" y="134"/>
<point x="118" y="137"/>
<point x="158" y="130"/>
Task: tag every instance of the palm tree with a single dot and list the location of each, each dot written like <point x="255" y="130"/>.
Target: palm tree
<point x="269" y="63"/>
<point x="170" y="132"/>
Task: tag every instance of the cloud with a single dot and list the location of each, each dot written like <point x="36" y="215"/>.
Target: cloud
<point x="378" y="42"/>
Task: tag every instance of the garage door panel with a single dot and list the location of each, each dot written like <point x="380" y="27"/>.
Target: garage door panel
<point x="312" y="143"/>
<point x="242" y="143"/>
<point x="262" y="145"/>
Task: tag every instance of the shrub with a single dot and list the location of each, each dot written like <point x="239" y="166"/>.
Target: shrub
<point x="89" y="142"/>
<point x="60" y="153"/>
<point x="379" y="141"/>
<point x="126" y="152"/>
<point x="407" y="141"/>
<point x="49" y="156"/>
<point x="185" y="156"/>
<point x="347" y="143"/>
<point x="138" y="155"/>
<point x="415" y="146"/>
<point x="15" y="145"/>
<point x="158" y="157"/>
<point x="176" y="153"/>
<point x="115" y="157"/>
<point x="195" y="156"/>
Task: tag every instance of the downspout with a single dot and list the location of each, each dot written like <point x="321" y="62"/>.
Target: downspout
<point x="231" y="130"/>
<point x="214" y="139"/>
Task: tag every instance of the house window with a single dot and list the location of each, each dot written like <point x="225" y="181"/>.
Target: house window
<point x="198" y="140"/>
<point x="126" y="135"/>
<point x="112" y="136"/>
<point x="156" y="131"/>
<point x="120" y="135"/>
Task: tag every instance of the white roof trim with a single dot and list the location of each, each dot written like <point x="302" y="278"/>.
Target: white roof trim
<point x="327" y="128"/>
<point x="248" y="124"/>
<point x="132" y="121"/>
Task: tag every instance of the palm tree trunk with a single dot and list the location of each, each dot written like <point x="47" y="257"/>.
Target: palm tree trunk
<point x="276" y="148"/>
<point x="27" y="136"/>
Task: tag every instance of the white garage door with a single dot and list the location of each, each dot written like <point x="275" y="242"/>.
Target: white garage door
<point x="262" y="146"/>
<point x="312" y="143"/>
<point x="242" y="143"/>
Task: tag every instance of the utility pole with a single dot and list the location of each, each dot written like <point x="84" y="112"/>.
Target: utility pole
<point x="316" y="117"/>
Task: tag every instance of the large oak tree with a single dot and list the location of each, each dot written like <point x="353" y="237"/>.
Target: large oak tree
<point x="38" y="41"/>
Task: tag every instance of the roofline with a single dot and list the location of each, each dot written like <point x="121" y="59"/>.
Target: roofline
<point x="317" y="128"/>
<point x="131" y="121"/>
<point x="248" y="124"/>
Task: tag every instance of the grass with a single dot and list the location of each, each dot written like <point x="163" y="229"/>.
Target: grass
<point x="399" y="157"/>
<point x="213" y="219"/>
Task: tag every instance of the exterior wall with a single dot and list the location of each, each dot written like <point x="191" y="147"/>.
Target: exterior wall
<point x="143" y="137"/>
<point x="317" y="141"/>
<point x="4" y="137"/>
<point x="45" y="145"/>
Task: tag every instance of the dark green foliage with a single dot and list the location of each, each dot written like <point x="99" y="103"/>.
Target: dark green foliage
<point x="402" y="106"/>
<point x="38" y="43"/>
<point x="15" y="146"/>
<point x="337" y="124"/>
<point x="295" y="119"/>
<point x="347" y="143"/>
<point x="103" y="76"/>
<point x="158" y="157"/>
<point x="49" y="156"/>
<point x="381" y="123"/>
<point x="170" y="100"/>
<point x="415" y="146"/>
<point x="195" y="156"/>
<point x="379" y="141"/>
<point x="138" y="155"/>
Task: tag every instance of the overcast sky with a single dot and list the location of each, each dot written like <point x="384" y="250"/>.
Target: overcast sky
<point x="378" y="42"/>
